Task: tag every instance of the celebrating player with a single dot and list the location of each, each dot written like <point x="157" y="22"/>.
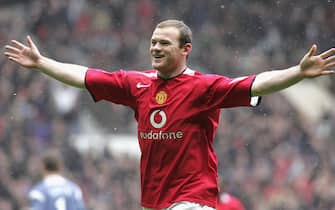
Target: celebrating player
<point x="55" y="192"/>
<point x="177" y="109"/>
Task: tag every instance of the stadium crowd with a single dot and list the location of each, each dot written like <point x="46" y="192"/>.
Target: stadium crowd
<point x="270" y="156"/>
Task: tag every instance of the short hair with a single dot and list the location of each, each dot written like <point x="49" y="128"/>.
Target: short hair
<point x="185" y="33"/>
<point x="51" y="161"/>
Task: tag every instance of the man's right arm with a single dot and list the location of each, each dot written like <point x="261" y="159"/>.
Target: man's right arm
<point x="70" y="74"/>
<point x="30" y="57"/>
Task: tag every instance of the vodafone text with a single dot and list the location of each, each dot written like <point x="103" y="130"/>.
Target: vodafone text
<point x="151" y="135"/>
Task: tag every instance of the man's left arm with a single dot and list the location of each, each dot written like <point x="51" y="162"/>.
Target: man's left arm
<point x="310" y="66"/>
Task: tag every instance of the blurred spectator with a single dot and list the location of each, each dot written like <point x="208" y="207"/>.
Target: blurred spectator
<point x="55" y="191"/>
<point x="228" y="201"/>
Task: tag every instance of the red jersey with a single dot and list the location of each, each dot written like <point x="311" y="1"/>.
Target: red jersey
<point x="229" y="202"/>
<point x="177" y="119"/>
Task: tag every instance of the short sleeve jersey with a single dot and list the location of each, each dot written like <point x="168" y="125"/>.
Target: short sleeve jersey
<point x="177" y="119"/>
<point x="56" y="193"/>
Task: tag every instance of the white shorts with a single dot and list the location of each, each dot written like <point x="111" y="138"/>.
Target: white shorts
<point x="185" y="205"/>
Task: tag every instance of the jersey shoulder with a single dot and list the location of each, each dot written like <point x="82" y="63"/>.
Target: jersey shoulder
<point x="149" y="74"/>
<point x="137" y="78"/>
<point x="203" y="79"/>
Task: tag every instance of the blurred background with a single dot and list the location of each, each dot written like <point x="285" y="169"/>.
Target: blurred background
<point x="280" y="155"/>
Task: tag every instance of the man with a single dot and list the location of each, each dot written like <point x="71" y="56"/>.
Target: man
<point x="177" y="109"/>
<point x="55" y="192"/>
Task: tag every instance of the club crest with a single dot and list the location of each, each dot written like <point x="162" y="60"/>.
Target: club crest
<point x="161" y="97"/>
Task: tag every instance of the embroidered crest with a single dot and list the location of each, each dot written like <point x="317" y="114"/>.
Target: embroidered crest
<point x="161" y="97"/>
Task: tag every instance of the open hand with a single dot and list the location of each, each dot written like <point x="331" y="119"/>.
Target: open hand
<point x="27" y="56"/>
<point x="312" y="65"/>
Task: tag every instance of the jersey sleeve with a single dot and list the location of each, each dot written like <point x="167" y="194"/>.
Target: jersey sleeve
<point x="109" y="86"/>
<point x="227" y="92"/>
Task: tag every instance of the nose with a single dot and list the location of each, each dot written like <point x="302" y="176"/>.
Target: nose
<point x="156" y="47"/>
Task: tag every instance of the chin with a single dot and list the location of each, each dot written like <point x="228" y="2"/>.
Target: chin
<point x="157" y="66"/>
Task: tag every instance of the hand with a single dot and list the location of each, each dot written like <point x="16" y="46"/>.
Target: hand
<point x="27" y="56"/>
<point x="312" y="65"/>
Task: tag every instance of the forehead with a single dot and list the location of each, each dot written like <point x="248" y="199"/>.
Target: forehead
<point x="167" y="33"/>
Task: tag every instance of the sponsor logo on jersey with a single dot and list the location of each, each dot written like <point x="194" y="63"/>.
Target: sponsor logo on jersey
<point x="152" y="135"/>
<point x="161" y="97"/>
<point x="140" y="85"/>
<point x="162" y="121"/>
<point x="158" y="119"/>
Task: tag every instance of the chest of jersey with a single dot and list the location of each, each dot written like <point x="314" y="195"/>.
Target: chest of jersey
<point x="170" y="118"/>
<point x="166" y="105"/>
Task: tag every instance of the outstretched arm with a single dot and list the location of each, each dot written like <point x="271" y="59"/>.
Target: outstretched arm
<point x="30" y="57"/>
<point x="310" y="66"/>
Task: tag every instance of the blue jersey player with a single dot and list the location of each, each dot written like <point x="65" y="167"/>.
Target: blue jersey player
<point x="55" y="192"/>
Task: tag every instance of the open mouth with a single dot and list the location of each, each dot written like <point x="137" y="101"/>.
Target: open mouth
<point x="158" y="56"/>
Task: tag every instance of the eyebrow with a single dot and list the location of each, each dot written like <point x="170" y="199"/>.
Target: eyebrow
<point x="160" y="40"/>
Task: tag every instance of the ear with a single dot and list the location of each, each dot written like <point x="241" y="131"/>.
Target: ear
<point x="187" y="49"/>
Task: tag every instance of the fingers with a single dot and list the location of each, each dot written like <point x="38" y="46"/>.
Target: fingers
<point x="330" y="59"/>
<point x="12" y="57"/>
<point x="312" y="51"/>
<point x="327" y="53"/>
<point x="16" y="60"/>
<point x="329" y="65"/>
<point x="8" y="54"/>
<point x="12" y="49"/>
<point x="30" y="42"/>
<point x="18" y="44"/>
<point x="327" y="72"/>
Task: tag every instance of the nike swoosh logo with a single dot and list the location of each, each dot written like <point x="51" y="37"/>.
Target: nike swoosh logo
<point x="140" y="85"/>
<point x="237" y="80"/>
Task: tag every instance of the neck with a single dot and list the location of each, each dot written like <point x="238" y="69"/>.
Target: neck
<point x="173" y="74"/>
<point x="50" y="173"/>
